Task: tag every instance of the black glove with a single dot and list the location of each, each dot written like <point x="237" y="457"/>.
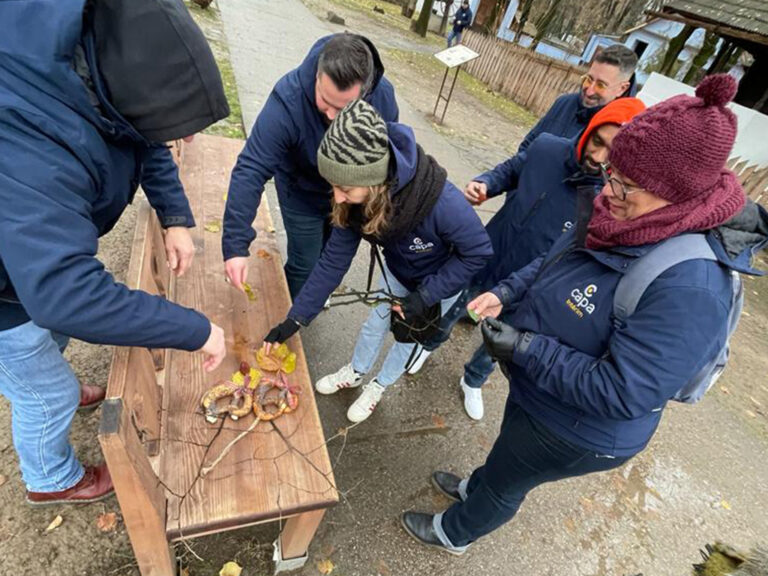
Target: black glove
<point x="282" y="331"/>
<point x="413" y="306"/>
<point x="500" y="339"/>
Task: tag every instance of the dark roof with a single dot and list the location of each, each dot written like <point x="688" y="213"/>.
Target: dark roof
<point x="746" y="15"/>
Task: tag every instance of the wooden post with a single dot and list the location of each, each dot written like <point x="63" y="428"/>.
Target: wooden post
<point x="138" y="490"/>
<point x="298" y="533"/>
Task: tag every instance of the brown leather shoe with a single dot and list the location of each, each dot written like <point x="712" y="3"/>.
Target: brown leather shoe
<point x="95" y="485"/>
<point x="91" y="397"/>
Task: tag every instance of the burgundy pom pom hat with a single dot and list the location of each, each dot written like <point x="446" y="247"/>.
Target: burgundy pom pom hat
<point x="678" y="150"/>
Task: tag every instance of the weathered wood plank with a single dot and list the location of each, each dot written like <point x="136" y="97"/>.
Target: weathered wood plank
<point x="278" y="470"/>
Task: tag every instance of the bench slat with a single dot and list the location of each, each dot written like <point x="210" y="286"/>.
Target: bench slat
<point x="278" y="470"/>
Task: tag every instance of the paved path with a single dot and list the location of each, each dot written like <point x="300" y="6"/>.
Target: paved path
<point x="649" y="517"/>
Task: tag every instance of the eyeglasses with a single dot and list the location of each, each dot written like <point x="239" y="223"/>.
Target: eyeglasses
<point x="619" y="188"/>
<point x="598" y="85"/>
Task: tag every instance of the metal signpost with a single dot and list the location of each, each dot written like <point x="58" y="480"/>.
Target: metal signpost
<point x="452" y="58"/>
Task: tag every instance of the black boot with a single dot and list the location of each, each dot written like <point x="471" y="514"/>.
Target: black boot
<point x="419" y="526"/>
<point x="447" y="484"/>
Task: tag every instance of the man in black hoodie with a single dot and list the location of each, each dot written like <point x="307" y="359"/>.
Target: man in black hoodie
<point x="89" y="91"/>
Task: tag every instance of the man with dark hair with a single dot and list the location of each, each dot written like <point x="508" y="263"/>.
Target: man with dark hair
<point x="283" y="143"/>
<point x="461" y="21"/>
<point x="611" y="75"/>
<point x="81" y="126"/>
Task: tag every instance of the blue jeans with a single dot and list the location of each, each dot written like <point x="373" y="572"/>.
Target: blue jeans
<point x="525" y="455"/>
<point x="453" y="35"/>
<point x="375" y="330"/>
<point x="44" y="395"/>
<point x="307" y="234"/>
<point x="479" y="368"/>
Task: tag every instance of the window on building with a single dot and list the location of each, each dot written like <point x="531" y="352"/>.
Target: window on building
<point x="640" y="47"/>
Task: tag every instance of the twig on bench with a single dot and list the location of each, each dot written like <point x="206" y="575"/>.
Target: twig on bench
<point x="204" y="470"/>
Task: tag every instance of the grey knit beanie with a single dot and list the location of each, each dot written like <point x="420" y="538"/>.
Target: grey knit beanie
<point x="355" y="149"/>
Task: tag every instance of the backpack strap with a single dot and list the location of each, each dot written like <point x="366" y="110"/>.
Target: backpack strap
<point x="643" y="271"/>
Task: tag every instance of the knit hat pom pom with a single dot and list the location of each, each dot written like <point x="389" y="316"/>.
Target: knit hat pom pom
<point x="717" y="90"/>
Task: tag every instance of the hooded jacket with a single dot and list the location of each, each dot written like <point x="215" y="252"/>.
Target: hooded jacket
<point x="69" y="165"/>
<point x="605" y="388"/>
<point x="438" y="257"/>
<point x="545" y="181"/>
<point x="462" y="19"/>
<point x="283" y="143"/>
<point x="567" y="116"/>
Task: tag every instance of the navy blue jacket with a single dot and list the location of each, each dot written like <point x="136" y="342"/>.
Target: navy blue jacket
<point x="438" y="257"/>
<point x="542" y="205"/>
<point x="283" y="144"/>
<point x="567" y="117"/>
<point x="67" y="173"/>
<point x="462" y="20"/>
<point x="605" y="388"/>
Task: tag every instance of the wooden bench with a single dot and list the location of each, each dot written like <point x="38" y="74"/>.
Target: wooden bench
<point x="153" y="433"/>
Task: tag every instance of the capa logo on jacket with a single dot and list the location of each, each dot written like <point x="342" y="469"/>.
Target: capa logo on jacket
<point x="579" y="301"/>
<point x="420" y="246"/>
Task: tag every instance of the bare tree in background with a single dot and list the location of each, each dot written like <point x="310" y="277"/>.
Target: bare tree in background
<point x="420" y="26"/>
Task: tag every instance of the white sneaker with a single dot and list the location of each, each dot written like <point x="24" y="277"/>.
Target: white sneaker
<point x="419" y="362"/>
<point x="366" y="403"/>
<point x="346" y="377"/>
<point x="473" y="401"/>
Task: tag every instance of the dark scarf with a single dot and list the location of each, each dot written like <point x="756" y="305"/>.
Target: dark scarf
<point x="411" y="204"/>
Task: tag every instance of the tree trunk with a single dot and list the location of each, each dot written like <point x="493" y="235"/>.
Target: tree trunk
<point x="676" y="46"/>
<point x="422" y="24"/>
<point x="544" y="23"/>
<point x="446" y="15"/>
<point x="525" y="10"/>
<point x="696" y="72"/>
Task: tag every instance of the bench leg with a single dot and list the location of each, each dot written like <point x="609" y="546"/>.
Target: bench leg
<point x="298" y="533"/>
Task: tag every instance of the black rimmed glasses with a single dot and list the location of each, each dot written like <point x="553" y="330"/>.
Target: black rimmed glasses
<point x="620" y="189"/>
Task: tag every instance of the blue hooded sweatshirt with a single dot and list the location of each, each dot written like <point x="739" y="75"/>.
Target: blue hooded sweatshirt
<point x="283" y="144"/>
<point x="545" y="181"/>
<point x="605" y="388"/>
<point x="567" y="116"/>
<point x="67" y="173"/>
<point x="438" y="257"/>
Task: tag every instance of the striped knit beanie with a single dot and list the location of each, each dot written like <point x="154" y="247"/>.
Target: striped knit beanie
<point x="355" y="149"/>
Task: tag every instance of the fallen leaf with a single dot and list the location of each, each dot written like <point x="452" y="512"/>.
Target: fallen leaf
<point x="325" y="566"/>
<point x="185" y="571"/>
<point x="107" y="522"/>
<point x="725" y="504"/>
<point x="382" y="568"/>
<point x="249" y="292"/>
<point x="3" y="479"/>
<point x="438" y="421"/>
<point x="263" y="254"/>
<point x="724" y="390"/>
<point x="213" y="226"/>
<point x="55" y="524"/>
<point x="230" y="569"/>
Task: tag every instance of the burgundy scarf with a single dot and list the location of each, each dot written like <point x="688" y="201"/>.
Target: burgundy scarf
<point x="703" y="212"/>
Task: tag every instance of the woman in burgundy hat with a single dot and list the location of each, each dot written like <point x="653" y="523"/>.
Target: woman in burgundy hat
<point x="590" y="371"/>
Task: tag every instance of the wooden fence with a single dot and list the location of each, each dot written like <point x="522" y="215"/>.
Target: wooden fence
<point x="529" y="79"/>
<point x="753" y="179"/>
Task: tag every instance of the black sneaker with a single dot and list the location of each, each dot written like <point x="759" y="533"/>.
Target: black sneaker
<point x="447" y="484"/>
